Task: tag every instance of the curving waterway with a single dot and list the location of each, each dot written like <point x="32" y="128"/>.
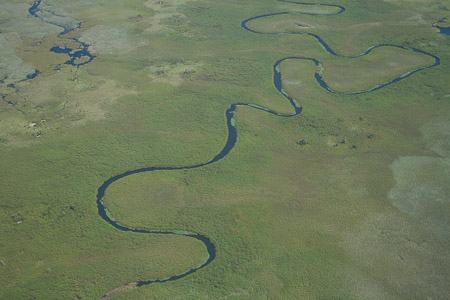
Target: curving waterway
<point x="76" y="54"/>
<point x="318" y="74"/>
<point x="82" y="51"/>
<point x="231" y="140"/>
<point x="442" y="29"/>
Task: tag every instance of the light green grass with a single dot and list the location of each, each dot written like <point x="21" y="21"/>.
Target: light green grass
<point x="288" y="221"/>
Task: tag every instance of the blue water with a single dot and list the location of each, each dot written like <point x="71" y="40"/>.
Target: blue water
<point x="58" y="49"/>
<point x="444" y="30"/>
<point x="341" y="9"/>
<point x="34" y="8"/>
<point x="79" y="56"/>
<point x="31" y="76"/>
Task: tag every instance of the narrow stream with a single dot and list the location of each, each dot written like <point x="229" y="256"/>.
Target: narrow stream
<point x="77" y="54"/>
<point x="231" y="141"/>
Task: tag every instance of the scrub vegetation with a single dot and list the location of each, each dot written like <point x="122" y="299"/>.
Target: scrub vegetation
<point x="348" y="200"/>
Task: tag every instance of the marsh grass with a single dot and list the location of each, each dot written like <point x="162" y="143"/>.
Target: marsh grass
<point x="288" y="221"/>
<point x="380" y="66"/>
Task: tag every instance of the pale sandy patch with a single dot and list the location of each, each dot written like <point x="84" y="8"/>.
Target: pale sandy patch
<point x="172" y="74"/>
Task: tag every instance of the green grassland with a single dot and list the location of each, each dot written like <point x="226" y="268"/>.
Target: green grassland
<point x="358" y="210"/>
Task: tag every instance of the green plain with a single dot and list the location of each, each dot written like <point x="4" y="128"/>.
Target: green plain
<point x="358" y="212"/>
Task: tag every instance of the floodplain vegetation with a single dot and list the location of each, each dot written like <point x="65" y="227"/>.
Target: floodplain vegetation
<point x="348" y="200"/>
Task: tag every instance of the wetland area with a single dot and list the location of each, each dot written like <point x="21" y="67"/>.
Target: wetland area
<point x="236" y="150"/>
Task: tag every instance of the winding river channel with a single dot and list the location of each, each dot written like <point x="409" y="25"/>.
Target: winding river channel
<point x="103" y="212"/>
<point x="76" y="54"/>
<point x="232" y="136"/>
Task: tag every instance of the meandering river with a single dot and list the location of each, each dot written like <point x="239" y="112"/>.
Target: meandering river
<point x="232" y="136"/>
<point x="83" y="51"/>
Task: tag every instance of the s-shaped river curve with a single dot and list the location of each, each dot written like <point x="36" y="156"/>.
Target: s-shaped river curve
<point x="230" y="143"/>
